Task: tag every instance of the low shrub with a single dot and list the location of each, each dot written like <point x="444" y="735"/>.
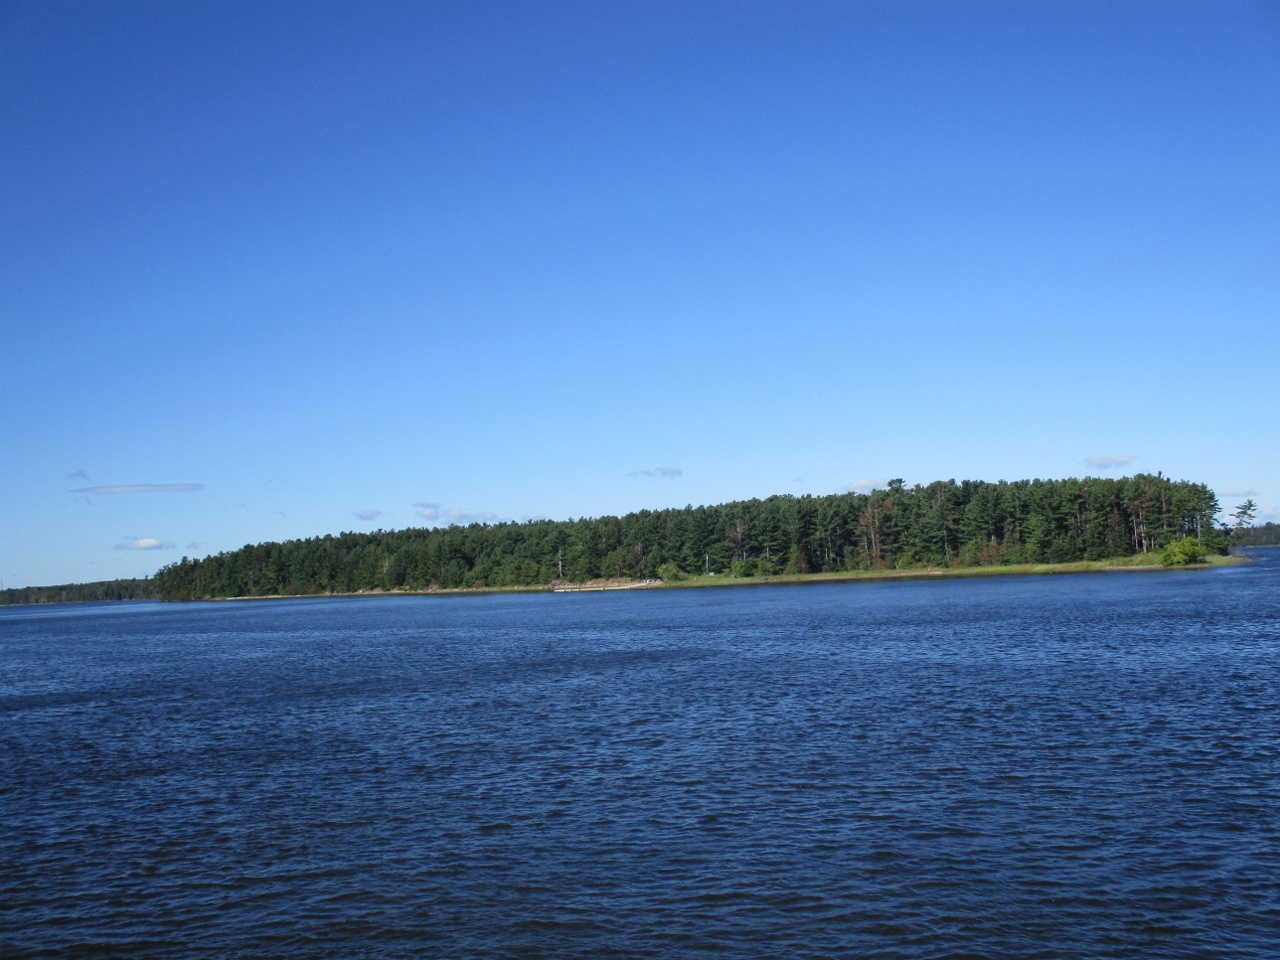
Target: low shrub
<point x="1183" y="551"/>
<point x="669" y="571"/>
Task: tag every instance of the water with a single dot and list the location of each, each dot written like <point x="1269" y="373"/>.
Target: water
<point x="1050" y="767"/>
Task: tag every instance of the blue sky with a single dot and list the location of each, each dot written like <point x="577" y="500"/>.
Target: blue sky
<point x="279" y="270"/>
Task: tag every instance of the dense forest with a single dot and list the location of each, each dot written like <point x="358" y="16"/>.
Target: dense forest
<point x="81" y="592"/>
<point x="940" y="524"/>
<point x="1263" y="535"/>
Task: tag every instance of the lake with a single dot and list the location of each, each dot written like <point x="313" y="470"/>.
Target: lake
<point x="1068" y="766"/>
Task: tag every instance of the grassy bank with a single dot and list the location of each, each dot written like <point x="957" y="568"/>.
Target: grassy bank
<point x="1140" y="562"/>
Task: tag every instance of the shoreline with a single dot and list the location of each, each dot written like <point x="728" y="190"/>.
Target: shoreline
<point x="797" y="579"/>
<point x="1113" y="565"/>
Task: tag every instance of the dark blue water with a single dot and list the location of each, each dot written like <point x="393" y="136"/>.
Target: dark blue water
<point x="1050" y="767"/>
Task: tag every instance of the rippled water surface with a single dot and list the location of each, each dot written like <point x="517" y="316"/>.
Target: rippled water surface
<point x="1051" y="767"/>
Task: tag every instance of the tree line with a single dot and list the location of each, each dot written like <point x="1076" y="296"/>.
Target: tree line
<point x="137" y="589"/>
<point x="946" y="523"/>
<point x="1264" y="535"/>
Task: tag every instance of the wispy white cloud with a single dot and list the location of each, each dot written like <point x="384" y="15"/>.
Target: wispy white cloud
<point x="452" y="516"/>
<point x="143" y="543"/>
<point x="80" y="475"/>
<point x="1239" y="493"/>
<point x="1107" y="461"/>
<point x="368" y="514"/>
<point x="462" y="517"/>
<point x="659" y="473"/>
<point x="865" y="485"/>
<point x="194" y="545"/>
<point x="143" y="488"/>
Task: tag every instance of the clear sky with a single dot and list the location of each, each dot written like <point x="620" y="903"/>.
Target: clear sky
<point x="273" y="270"/>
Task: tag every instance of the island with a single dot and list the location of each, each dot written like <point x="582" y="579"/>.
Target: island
<point x="945" y="528"/>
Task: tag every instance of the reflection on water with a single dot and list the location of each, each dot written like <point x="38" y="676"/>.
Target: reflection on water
<point x="1077" y="766"/>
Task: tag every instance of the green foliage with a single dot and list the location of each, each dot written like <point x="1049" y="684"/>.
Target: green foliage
<point x="670" y="572"/>
<point x="946" y="523"/>
<point x="81" y="592"/>
<point x="1182" y="551"/>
